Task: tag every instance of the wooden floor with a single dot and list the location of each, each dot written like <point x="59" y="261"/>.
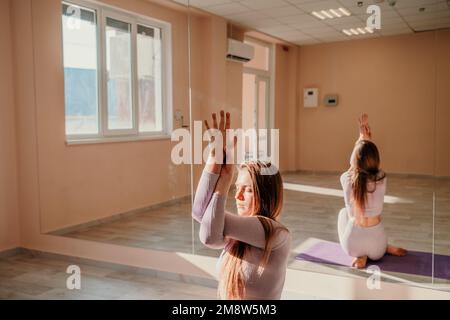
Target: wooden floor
<point x="27" y="276"/>
<point x="312" y="202"/>
<point x="41" y="276"/>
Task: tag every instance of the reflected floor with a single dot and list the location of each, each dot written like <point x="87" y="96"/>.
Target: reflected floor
<point x="27" y="276"/>
<point x="312" y="202"/>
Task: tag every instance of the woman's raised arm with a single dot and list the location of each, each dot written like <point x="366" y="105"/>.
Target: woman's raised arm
<point x="212" y="170"/>
<point x="364" y="128"/>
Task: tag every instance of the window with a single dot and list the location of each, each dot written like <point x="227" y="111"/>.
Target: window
<point x="119" y="75"/>
<point x="116" y="73"/>
<point x="80" y="70"/>
<point x="149" y="78"/>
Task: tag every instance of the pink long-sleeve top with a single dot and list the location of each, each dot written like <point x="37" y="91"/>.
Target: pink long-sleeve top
<point x="217" y="227"/>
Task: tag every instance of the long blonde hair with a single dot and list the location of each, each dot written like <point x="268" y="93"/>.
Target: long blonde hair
<point x="267" y="204"/>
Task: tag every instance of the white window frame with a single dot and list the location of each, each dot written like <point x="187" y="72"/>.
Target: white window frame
<point x="268" y="74"/>
<point x="113" y="135"/>
<point x="134" y="129"/>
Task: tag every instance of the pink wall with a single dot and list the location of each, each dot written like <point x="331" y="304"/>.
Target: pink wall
<point x="394" y="80"/>
<point x="216" y="82"/>
<point x="248" y="100"/>
<point x="260" y="59"/>
<point x="443" y="103"/>
<point x="9" y="206"/>
<point x="286" y="103"/>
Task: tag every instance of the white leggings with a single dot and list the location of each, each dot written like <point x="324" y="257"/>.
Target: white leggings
<point x="359" y="241"/>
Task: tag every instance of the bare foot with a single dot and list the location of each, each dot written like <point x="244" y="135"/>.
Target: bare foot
<point x="359" y="262"/>
<point x="395" y="251"/>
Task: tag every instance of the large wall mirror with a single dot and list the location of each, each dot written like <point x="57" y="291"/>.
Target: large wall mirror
<point x="131" y="75"/>
<point x="395" y="74"/>
<point x="106" y="172"/>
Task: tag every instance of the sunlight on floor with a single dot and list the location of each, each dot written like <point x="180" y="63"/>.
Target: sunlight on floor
<point x="334" y="192"/>
<point x="203" y="263"/>
<point x="392" y="276"/>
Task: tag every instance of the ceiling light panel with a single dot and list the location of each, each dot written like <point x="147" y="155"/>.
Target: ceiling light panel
<point x="331" y="13"/>
<point x="357" y="31"/>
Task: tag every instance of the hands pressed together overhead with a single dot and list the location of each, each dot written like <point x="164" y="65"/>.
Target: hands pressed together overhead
<point x="226" y="169"/>
<point x="364" y="128"/>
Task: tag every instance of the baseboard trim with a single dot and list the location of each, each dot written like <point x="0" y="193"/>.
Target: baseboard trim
<point x="11" y="252"/>
<point x="115" y="217"/>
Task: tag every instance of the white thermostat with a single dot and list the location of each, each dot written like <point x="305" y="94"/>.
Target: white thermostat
<point x="310" y="97"/>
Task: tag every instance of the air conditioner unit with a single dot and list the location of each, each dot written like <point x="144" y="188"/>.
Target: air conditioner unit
<point x="239" y="51"/>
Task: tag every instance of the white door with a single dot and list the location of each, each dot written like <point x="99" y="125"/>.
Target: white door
<point x="256" y="112"/>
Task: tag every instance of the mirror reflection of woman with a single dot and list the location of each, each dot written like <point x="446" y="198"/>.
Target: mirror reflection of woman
<point x="361" y="232"/>
<point x="255" y="245"/>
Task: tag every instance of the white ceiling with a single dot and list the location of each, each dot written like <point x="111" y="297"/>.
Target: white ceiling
<point x="291" y="20"/>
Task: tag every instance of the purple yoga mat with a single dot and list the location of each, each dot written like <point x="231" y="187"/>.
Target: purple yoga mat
<point x="415" y="262"/>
